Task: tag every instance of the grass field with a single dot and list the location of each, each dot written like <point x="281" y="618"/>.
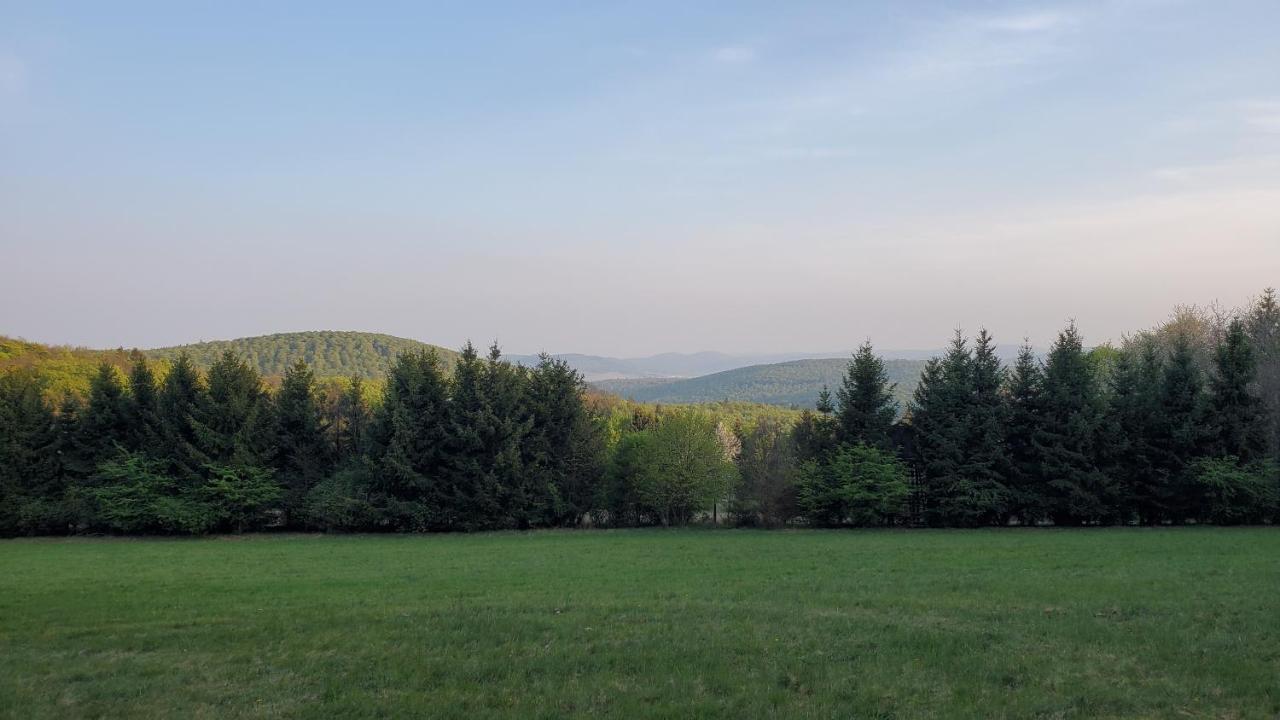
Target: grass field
<point x="1105" y="623"/>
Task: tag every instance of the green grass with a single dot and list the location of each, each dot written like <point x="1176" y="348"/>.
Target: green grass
<point x="982" y="624"/>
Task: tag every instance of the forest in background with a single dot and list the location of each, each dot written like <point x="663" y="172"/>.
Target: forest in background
<point x="1176" y="424"/>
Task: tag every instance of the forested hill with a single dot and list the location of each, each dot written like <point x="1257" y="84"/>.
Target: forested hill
<point x="790" y="383"/>
<point x="329" y="353"/>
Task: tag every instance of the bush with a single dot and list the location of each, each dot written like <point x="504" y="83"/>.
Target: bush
<point x="1232" y="494"/>
<point x="242" y="497"/>
<point x="339" y="503"/>
<point x="135" y="496"/>
<point x="858" y="485"/>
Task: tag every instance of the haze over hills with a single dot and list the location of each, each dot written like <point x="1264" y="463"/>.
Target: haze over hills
<point x="781" y="378"/>
<point x="789" y="383"/>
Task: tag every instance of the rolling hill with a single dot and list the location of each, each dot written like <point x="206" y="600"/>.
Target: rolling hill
<point x="789" y="383"/>
<point x="329" y="353"/>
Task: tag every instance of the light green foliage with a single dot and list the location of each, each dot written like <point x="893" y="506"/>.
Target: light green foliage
<point x="681" y="470"/>
<point x="1232" y="493"/>
<point x="857" y="485"/>
<point x="136" y="495"/>
<point x="242" y="497"/>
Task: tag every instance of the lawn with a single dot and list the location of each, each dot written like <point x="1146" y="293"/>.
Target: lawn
<point x="999" y="623"/>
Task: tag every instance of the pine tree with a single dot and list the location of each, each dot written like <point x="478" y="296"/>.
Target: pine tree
<point x="180" y="404"/>
<point x="235" y="425"/>
<point x="562" y="453"/>
<point x="1028" y="500"/>
<point x="1237" y="419"/>
<point x="1066" y="439"/>
<point x="30" y="476"/>
<point x="866" y="404"/>
<point x="984" y="467"/>
<point x="939" y="415"/>
<point x="1263" y="325"/>
<point x="408" y="447"/>
<point x="302" y="457"/>
<point x="351" y="426"/>
<point x="825" y="404"/>
<point x="524" y="499"/>
<point x="143" y="406"/>
<point x="103" y="425"/>
<point x="1130" y="428"/>
<point x="1181" y="434"/>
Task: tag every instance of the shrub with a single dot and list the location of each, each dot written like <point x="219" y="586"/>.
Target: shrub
<point x="1232" y="493"/>
<point x="858" y="485"/>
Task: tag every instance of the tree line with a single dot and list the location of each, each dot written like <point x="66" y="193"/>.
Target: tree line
<point x="1179" y="424"/>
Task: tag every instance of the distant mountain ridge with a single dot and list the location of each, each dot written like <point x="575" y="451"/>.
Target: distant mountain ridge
<point x="797" y="383"/>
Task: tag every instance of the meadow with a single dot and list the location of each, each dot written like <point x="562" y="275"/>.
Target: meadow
<point x="646" y="623"/>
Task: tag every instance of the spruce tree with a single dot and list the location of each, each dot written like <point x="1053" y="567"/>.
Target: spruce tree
<point x="302" y="456"/>
<point x="1028" y="499"/>
<point x="235" y="425"/>
<point x="1131" y="425"/>
<point x="351" y="426"/>
<point x="561" y="452"/>
<point x="180" y="404"/>
<point x="939" y="416"/>
<point x="1066" y="437"/>
<point x="143" y="406"/>
<point x="1238" y="419"/>
<point x="409" y="450"/>
<point x="866" y="405"/>
<point x="30" y="477"/>
<point x="1181" y="434"/>
<point x="1263" y="325"/>
<point x="985" y="464"/>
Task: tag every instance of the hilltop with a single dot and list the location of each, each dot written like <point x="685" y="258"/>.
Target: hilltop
<point x="789" y="383"/>
<point x="328" y="352"/>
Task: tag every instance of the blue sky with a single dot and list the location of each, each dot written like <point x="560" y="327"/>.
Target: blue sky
<point x="633" y="179"/>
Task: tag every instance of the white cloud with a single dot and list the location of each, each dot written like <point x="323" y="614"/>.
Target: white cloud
<point x="734" y="54"/>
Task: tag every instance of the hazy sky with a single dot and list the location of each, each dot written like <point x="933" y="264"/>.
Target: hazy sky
<point x="665" y="176"/>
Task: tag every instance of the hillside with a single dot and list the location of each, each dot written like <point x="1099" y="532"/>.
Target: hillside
<point x="790" y="383"/>
<point x="64" y="369"/>
<point x="329" y="353"/>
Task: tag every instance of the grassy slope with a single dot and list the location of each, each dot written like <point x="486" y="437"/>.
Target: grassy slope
<point x="1108" y="623"/>
<point x="790" y="383"/>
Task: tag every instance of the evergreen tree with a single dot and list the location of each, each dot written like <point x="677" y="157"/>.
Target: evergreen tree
<point x="939" y="414"/>
<point x="143" y="406"/>
<point x="181" y="402"/>
<point x="1180" y="435"/>
<point x="1131" y="426"/>
<point x="407" y="482"/>
<point x="302" y="456"/>
<point x="234" y="427"/>
<point x="29" y="472"/>
<point x="1066" y="439"/>
<point x="351" y="425"/>
<point x="825" y="404"/>
<point x="1022" y="397"/>
<point x="1238" y="419"/>
<point x="562" y="452"/>
<point x="105" y="423"/>
<point x="866" y="404"/>
<point x="985" y="464"/>
<point x="1263" y="325"/>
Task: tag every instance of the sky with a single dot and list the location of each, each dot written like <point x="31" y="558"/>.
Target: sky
<point x="627" y="179"/>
